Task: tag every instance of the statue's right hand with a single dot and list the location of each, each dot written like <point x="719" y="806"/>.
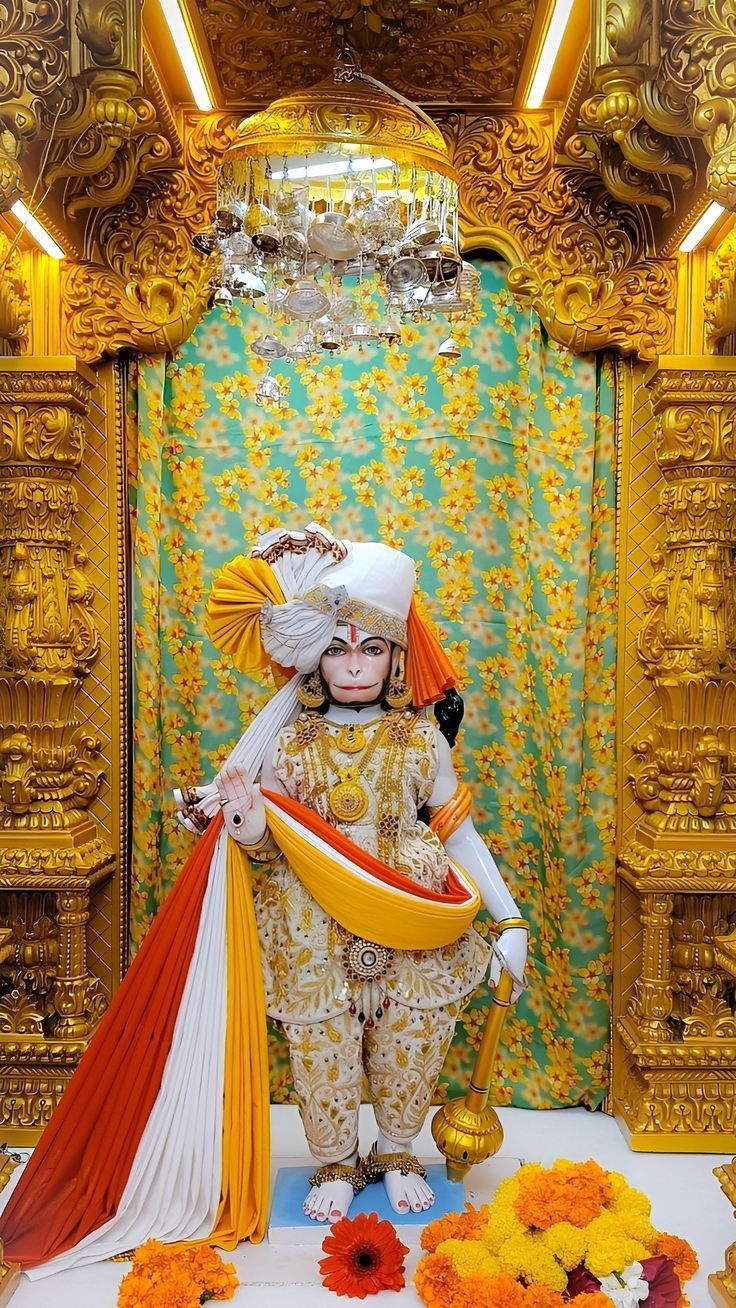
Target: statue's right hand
<point x="243" y="809"/>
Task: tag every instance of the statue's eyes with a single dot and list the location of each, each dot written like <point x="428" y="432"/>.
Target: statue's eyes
<point x="373" y="650"/>
<point x="332" y="650"/>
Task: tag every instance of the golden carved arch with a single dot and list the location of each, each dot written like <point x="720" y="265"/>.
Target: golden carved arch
<point x="581" y="262"/>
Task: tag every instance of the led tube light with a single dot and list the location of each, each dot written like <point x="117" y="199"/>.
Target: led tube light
<point x="702" y="227"/>
<point x="34" y="229"/>
<point x="187" y="54"/>
<point x="549" y="52"/>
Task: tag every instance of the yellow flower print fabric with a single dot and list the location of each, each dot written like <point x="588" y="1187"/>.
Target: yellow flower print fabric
<point x="496" y="474"/>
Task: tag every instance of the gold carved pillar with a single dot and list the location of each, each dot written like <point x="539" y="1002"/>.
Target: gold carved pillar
<point x="52" y="855"/>
<point x="675" y="1056"/>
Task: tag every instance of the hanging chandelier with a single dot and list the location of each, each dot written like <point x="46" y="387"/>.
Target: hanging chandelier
<point x="330" y="202"/>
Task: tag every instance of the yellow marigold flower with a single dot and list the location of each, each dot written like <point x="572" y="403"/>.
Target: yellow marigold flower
<point x="503" y="1224"/>
<point x="609" y="1253"/>
<point x="566" y="1242"/>
<point x="470" y="1257"/>
<point x="525" y="1256"/>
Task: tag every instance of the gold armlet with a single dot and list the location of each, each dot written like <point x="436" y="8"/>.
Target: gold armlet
<point x="509" y="923"/>
<point x="354" y="1176"/>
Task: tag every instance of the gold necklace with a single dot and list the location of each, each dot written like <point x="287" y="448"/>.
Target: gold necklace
<point x="348" y="800"/>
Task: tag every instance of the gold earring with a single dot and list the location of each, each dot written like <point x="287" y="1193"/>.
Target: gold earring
<point x="398" y="694"/>
<point x="311" y="693"/>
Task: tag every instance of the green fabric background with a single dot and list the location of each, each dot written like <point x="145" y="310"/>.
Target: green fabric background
<point x="496" y="475"/>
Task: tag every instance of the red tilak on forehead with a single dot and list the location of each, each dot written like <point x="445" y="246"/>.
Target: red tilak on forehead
<point x="353" y="634"/>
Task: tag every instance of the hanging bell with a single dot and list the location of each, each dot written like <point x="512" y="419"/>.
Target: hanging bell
<point x="268" y="347"/>
<point x="294" y="245"/>
<point x="306" y="347"/>
<point x="449" y="350"/>
<point x="330" y="337"/>
<point x="306" y="300"/>
<point x="227" y="220"/>
<point x="267" y="240"/>
<point x="268" y="392"/>
<point x="222" y="298"/>
<point x="405" y="273"/>
<point x="389" y="331"/>
<point x="362" y="330"/>
<point x="205" y="242"/>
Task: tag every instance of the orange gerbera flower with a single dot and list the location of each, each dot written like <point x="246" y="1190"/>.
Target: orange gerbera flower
<point x="364" y="1255"/>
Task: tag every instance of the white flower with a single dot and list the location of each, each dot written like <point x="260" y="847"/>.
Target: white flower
<point x="626" y="1289"/>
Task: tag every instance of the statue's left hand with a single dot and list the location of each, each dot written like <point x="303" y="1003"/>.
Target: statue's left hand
<point x="509" y="954"/>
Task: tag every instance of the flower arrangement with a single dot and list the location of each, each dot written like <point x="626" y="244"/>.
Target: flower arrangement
<point x="553" y="1235"/>
<point x="364" y="1255"/>
<point x="176" y="1276"/>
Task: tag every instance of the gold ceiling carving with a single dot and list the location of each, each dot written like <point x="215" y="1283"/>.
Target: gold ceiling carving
<point x="662" y="80"/>
<point x="464" y="54"/>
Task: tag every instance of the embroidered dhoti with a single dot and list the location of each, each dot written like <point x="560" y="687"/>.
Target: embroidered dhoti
<point x="401" y="1057"/>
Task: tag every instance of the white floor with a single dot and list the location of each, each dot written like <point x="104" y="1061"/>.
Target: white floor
<point x="685" y="1195"/>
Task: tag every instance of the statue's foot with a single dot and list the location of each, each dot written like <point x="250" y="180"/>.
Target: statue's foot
<point x="329" y="1201"/>
<point x="407" y="1193"/>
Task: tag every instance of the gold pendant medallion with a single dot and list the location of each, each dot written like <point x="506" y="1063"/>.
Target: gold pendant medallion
<point x="348" y="800"/>
<point x="350" y="739"/>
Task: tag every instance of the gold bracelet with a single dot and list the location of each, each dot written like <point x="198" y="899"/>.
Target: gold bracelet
<point x="508" y="923"/>
<point x="260" y="844"/>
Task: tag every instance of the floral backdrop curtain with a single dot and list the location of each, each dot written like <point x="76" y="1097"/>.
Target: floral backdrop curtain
<point x="495" y="473"/>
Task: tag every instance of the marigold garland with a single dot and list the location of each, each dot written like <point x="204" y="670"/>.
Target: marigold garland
<point x="549" y="1232"/>
<point x="176" y="1276"/>
<point x="364" y="1255"/>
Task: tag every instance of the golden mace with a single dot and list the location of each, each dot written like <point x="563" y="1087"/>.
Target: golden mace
<point x="467" y="1130"/>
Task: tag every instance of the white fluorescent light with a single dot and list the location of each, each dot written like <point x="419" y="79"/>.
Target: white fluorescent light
<point x="702" y="227"/>
<point x="187" y="54"/>
<point x="550" y="51"/>
<point x="336" y="169"/>
<point x="34" y="229"/>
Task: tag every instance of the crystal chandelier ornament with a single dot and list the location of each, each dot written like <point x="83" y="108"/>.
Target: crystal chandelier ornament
<point x="339" y="208"/>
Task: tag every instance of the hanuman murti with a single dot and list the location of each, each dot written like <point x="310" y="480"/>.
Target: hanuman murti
<point x="336" y="878"/>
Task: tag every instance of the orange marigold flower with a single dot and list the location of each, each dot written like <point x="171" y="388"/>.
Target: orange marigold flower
<point x="594" y="1299"/>
<point x="468" y="1225"/>
<point x="681" y="1254"/>
<point x="567" y="1192"/>
<point x="542" y="1296"/>
<point x="364" y="1255"/>
<point x="437" y="1282"/>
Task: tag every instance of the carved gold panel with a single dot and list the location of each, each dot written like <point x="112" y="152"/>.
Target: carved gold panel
<point x="674" y="1078"/>
<point x="63" y="725"/>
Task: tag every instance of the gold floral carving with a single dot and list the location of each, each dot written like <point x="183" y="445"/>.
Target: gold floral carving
<point x="679" y="1029"/>
<point x="578" y="256"/>
<point x="148" y="287"/>
<point x="71" y="78"/>
<point x="15" y="309"/>
<point x="51" y="856"/>
<point x="661" y="79"/>
<point x="720" y="299"/>
<point x="271" y="47"/>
